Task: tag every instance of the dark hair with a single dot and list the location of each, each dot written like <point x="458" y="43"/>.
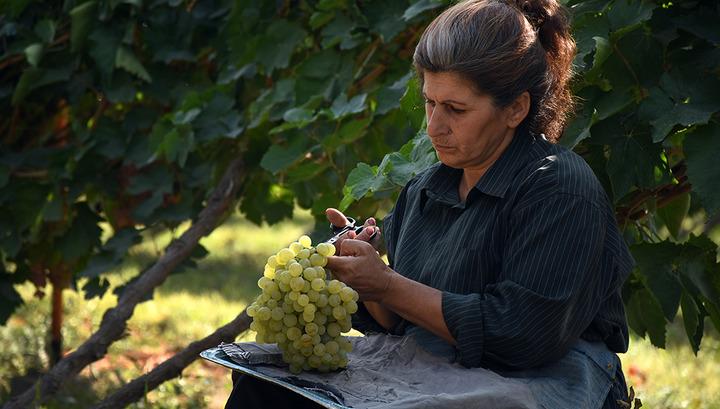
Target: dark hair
<point x="507" y="47"/>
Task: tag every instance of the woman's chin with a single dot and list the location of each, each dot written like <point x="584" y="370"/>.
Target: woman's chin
<point x="448" y="159"/>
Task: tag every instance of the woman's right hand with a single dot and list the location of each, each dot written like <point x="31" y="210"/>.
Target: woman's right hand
<point x="337" y="218"/>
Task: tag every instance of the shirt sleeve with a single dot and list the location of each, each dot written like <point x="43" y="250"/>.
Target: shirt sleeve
<point x="550" y="288"/>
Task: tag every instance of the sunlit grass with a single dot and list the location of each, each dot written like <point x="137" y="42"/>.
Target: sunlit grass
<point x="673" y="378"/>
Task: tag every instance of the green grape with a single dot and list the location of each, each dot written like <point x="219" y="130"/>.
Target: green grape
<point x="263" y="281"/>
<point x="275" y="326"/>
<point x="347" y="294"/>
<point x="297" y="307"/>
<point x="319" y="350"/>
<point x="297" y="284"/>
<point x="277" y="314"/>
<point x="287" y="307"/>
<point x="306" y="340"/>
<point x="305" y="241"/>
<point x="345" y="324"/>
<point x="318" y="284"/>
<point x="345" y="345"/>
<point x="309" y="273"/>
<point x="294" y="333"/>
<point x="284" y="287"/>
<point x="272" y="261"/>
<point x="339" y="312"/>
<point x="333" y="329"/>
<point x="271" y="304"/>
<point x="303" y="254"/>
<point x="311" y="328"/>
<point x="306" y="286"/>
<point x="325" y="249"/>
<point x="251" y="310"/>
<point x="282" y="276"/>
<point x="285" y="255"/>
<point x="318" y="260"/>
<point x="334" y="286"/>
<point x="334" y="300"/>
<point x="322" y="300"/>
<point x="320" y="272"/>
<point x="263" y="313"/>
<point x="313" y="296"/>
<point x="308" y="316"/>
<point x="305" y="263"/>
<point x="303" y="300"/>
<point x="269" y="272"/>
<point x="351" y="307"/>
<point x="310" y="309"/>
<point x="332" y="347"/>
<point x="290" y="320"/>
<point x="295" y="247"/>
<point x="320" y="319"/>
<point x="295" y="269"/>
<point x="314" y="361"/>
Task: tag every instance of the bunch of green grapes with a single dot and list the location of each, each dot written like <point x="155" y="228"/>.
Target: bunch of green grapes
<point x="302" y="309"/>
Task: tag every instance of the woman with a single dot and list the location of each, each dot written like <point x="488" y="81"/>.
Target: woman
<point x="504" y="255"/>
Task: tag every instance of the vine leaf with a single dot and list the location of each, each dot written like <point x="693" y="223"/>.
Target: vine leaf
<point x="127" y="60"/>
<point x="701" y="146"/>
<point x="82" y="18"/>
<point x="419" y="7"/>
<point x="674" y="212"/>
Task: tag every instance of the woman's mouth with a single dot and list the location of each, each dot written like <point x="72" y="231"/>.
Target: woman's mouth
<point x="442" y="147"/>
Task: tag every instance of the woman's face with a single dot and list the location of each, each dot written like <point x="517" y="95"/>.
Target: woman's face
<point x="466" y="129"/>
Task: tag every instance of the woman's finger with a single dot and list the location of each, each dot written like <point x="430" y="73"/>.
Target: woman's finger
<point x="367" y="233"/>
<point x="351" y="247"/>
<point x="336" y="217"/>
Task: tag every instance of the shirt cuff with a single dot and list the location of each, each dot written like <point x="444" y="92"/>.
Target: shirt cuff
<point x="464" y="319"/>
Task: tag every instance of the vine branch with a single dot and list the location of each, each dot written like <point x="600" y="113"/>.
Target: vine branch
<point x="114" y="321"/>
<point x="173" y="367"/>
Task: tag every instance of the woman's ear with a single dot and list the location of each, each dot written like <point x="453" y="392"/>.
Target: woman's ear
<point x="516" y="112"/>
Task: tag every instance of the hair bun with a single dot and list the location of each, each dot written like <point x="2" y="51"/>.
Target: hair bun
<point x="549" y="19"/>
<point x="535" y="11"/>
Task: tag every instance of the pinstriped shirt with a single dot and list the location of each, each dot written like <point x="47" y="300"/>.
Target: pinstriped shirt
<point x="528" y="264"/>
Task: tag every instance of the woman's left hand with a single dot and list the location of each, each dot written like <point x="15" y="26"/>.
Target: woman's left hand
<point x="361" y="267"/>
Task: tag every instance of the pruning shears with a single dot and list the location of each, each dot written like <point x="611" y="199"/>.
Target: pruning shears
<point x="338" y="231"/>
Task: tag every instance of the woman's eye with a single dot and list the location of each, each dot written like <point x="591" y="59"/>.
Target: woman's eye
<point x="429" y="102"/>
<point x="457" y="110"/>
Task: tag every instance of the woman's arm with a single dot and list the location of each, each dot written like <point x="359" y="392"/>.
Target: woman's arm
<point x="384" y="316"/>
<point x="553" y="281"/>
<point x="389" y="294"/>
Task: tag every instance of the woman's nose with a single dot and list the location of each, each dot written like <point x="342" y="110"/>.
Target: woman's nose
<point x="436" y="122"/>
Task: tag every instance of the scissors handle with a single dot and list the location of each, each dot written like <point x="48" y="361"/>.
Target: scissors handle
<point x="338" y="231"/>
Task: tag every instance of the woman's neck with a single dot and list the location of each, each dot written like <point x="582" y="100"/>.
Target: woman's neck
<point x="472" y="175"/>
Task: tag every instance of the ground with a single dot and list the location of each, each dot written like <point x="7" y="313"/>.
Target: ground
<point x="190" y="305"/>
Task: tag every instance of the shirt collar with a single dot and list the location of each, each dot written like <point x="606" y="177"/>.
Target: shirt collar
<point x="442" y="184"/>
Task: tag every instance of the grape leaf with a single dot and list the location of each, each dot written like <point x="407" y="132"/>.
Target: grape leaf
<point x="342" y="107"/>
<point x="82" y="18"/>
<point x="701" y="146"/>
<point x="419" y="7"/>
<point x="645" y="316"/>
<point x="127" y="60"/>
